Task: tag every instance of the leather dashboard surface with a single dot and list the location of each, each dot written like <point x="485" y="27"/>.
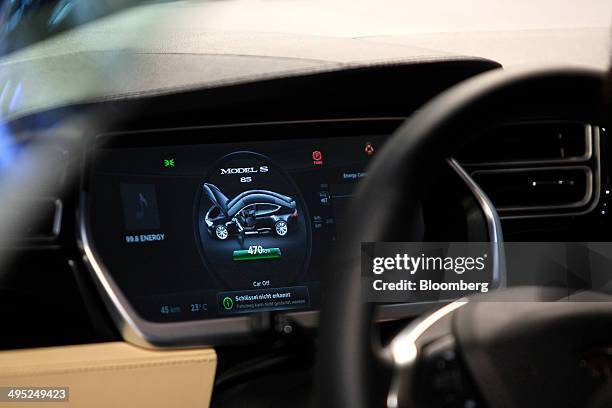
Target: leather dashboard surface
<point x="113" y="375"/>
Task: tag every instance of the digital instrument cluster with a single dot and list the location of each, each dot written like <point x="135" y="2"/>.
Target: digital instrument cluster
<point x="204" y="224"/>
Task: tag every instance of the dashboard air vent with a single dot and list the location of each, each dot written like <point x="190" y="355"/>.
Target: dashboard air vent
<point x="531" y="189"/>
<point x="534" y="169"/>
<point x="550" y="141"/>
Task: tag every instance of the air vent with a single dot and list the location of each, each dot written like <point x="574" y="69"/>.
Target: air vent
<point x="538" y="168"/>
<point x="528" y="142"/>
<point x="539" y="188"/>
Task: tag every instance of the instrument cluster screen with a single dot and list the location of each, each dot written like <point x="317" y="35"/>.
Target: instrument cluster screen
<point x="196" y="231"/>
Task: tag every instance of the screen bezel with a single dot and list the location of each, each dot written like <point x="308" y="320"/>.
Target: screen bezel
<point x="222" y="330"/>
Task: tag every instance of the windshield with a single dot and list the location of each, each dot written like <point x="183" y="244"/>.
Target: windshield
<point x="61" y="52"/>
<point x="23" y="22"/>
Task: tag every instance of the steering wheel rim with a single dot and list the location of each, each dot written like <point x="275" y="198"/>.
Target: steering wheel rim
<point x="398" y="177"/>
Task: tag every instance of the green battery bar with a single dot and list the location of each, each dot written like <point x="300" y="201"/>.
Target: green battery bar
<point x="257" y="253"/>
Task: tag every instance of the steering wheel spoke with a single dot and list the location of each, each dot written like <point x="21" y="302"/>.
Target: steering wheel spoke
<point x="428" y="368"/>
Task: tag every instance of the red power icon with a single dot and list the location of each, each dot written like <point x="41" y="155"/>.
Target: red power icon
<point x="317" y="157"/>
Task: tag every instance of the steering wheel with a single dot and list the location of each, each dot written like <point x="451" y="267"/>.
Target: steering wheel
<point x="467" y="353"/>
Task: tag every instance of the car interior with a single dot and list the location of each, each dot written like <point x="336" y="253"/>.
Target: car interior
<point x="197" y="193"/>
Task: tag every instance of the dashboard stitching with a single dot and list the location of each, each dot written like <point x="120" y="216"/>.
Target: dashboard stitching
<point x="114" y="367"/>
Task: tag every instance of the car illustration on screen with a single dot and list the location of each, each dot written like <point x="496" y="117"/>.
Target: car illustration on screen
<point x="251" y="212"/>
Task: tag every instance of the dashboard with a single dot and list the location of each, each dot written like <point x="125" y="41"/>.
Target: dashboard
<point x="209" y="216"/>
<point x="195" y="233"/>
